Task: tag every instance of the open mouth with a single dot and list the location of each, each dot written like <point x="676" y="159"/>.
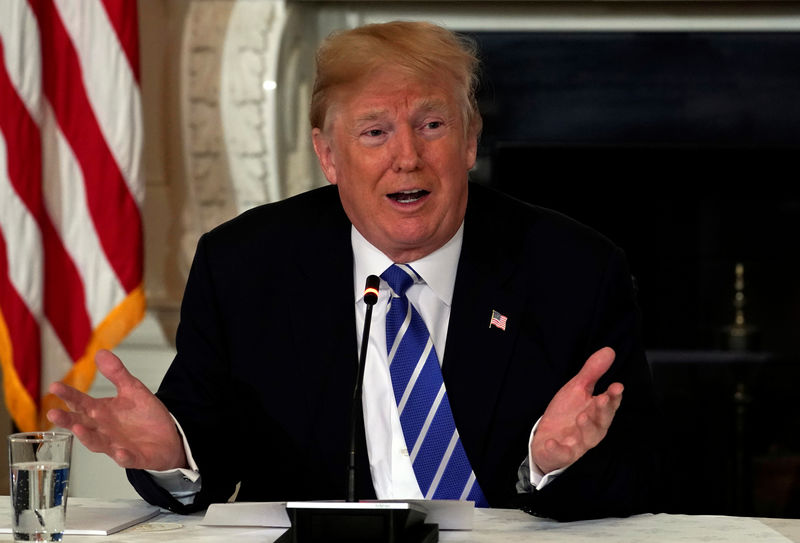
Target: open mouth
<point x="408" y="196"/>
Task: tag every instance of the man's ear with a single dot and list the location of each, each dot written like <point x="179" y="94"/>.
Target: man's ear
<point x="471" y="151"/>
<point x="324" y="151"/>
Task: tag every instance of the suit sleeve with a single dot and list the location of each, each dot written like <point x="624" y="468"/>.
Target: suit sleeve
<point x="195" y="392"/>
<point x="616" y="477"/>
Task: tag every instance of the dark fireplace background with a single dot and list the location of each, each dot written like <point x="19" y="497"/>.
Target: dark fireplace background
<point x="682" y="148"/>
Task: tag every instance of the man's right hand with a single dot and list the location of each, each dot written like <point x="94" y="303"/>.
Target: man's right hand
<point x="134" y="428"/>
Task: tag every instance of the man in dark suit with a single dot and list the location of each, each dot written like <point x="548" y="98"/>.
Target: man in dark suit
<point x="515" y="298"/>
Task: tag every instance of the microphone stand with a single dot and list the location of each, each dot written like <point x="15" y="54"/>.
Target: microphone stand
<point x="353" y="521"/>
<point x="357" y="408"/>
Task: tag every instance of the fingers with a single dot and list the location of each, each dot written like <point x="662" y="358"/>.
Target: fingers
<point x="113" y="369"/>
<point x="123" y="458"/>
<point x="608" y="403"/>
<point x="552" y="455"/>
<point x="615" y="390"/>
<point x="594" y="368"/>
<point x="595" y="421"/>
<point x="558" y="451"/>
<point x="590" y="427"/>
<point x="97" y="442"/>
<point x="93" y="440"/>
<point x="614" y="394"/>
<point x="78" y="424"/>
<point x="576" y="420"/>
<point x="60" y="418"/>
<point x="75" y="399"/>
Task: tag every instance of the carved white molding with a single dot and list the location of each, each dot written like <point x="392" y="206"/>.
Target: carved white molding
<point x="267" y="68"/>
<point x="209" y="198"/>
<point x="247" y="95"/>
<point x="296" y="157"/>
<point x="245" y="77"/>
<point x="599" y="15"/>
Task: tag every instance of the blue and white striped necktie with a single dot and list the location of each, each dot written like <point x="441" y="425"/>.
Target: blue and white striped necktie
<point x="440" y="462"/>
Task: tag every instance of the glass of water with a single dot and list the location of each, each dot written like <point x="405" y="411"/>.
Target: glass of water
<point x="39" y="472"/>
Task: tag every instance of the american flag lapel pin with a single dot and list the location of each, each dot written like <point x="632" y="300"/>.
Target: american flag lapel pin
<point x="498" y="320"/>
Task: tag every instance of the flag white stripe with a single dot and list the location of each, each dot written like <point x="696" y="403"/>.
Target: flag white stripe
<point x="22" y="53"/>
<point x="116" y="101"/>
<point x="412" y="380"/>
<point x="427" y="424"/>
<point x="65" y="200"/>
<point x="23" y="241"/>
<point x="59" y="363"/>
<point x="442" y="466"/>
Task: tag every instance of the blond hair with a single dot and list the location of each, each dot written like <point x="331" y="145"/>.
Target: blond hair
<point x="424" y="50"/>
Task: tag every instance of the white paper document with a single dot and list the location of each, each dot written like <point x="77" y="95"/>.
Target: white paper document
<point x="260" y="514"/>
<point x="95" y="519"/>
<point x="448" y="514"/>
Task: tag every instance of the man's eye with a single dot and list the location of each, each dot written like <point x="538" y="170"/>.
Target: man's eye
<point x="374" y="133"/>
<point x="434" y="124"/>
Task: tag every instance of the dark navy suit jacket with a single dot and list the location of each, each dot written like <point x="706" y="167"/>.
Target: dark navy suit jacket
<point x="267" y="356"/>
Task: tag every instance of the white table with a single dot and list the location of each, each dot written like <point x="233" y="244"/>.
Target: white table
<point x="491" y="525"/>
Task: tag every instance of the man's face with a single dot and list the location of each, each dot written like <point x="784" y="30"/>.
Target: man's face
<point x="398" y="150"/>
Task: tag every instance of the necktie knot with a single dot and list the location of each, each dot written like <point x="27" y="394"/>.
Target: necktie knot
<point x="400" y="277"/>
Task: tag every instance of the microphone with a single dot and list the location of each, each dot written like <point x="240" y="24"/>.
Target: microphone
<point x="356" y="416"/>
<point x="391" y="522"/>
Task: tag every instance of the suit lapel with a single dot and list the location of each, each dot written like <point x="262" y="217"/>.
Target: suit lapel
<point x="477" y="355"/>
<point x="325" y="333"/>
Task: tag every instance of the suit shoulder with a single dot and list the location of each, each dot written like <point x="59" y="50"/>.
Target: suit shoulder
<point x="536" y="226"/>
<point x="285" y="221"/>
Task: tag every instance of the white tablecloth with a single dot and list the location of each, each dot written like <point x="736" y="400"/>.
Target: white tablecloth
<point x="491" y="525"/>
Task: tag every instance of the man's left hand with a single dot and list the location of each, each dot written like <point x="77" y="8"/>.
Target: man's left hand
<point x="575" y="421"/>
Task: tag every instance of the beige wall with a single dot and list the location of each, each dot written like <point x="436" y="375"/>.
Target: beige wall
<point x="160" y="26"/>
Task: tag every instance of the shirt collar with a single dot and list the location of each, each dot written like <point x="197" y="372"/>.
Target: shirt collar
<point x="438" y="268"/>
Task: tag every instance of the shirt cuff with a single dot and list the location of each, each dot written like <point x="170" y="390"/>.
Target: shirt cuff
<point x="183" y="484"/>
<point x="539" y="480"/>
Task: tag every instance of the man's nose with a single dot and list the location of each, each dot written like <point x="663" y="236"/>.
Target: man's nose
<point x="407" y="150"/>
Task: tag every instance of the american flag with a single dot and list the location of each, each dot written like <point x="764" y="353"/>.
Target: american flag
<point x="70" y="193"/>
<point x="498" y="320"/>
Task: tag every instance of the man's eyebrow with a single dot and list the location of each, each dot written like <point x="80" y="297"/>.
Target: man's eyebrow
<point x="424" y="105"/>
<point x="372" y="115"/>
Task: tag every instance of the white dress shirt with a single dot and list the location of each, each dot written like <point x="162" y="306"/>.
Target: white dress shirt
<point x="389" y="461"/>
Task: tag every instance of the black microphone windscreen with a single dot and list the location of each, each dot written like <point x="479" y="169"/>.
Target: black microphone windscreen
<point x="371" y="289"/>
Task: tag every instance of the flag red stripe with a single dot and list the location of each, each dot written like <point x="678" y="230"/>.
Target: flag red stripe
<point x="22" y="329"/>
<point x="22" y="135"/>
<point x="64" y="302"/>
<point x="123" y="17"/>
<point x="64" y="305"/>
<point x="111" y="205"/>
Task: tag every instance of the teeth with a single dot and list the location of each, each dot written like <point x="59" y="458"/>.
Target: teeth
<point x="407" y="196"/>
